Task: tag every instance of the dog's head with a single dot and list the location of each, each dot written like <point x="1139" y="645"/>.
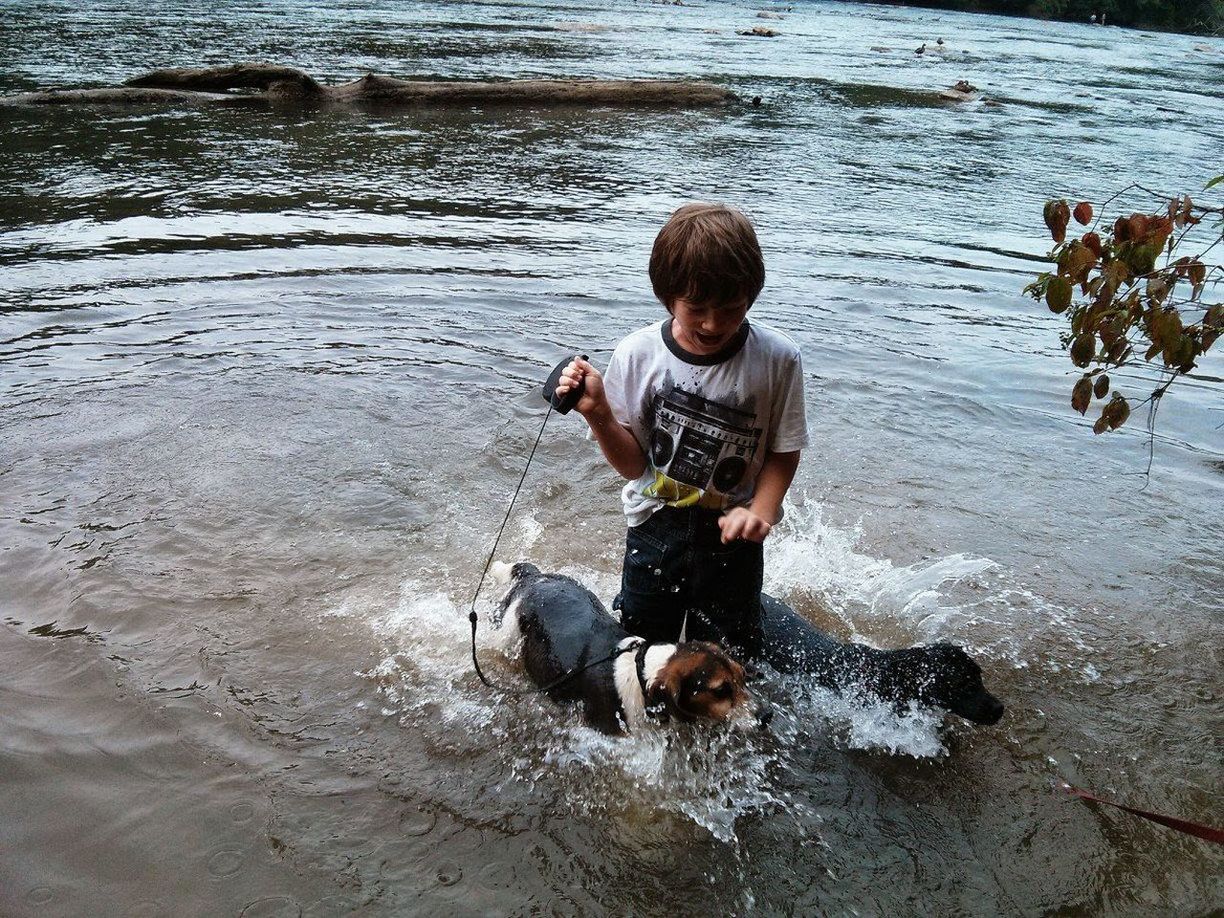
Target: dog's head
<point x="700" y="681"/>
<point x="939" y="675"/>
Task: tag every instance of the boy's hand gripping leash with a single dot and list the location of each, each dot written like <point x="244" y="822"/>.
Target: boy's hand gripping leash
<point x="562" y="405"/>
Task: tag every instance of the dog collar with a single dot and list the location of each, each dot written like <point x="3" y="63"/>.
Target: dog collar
<point x="639" y="659"/>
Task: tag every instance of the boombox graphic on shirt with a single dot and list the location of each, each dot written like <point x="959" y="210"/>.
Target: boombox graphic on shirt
<point x="699" y="443"/>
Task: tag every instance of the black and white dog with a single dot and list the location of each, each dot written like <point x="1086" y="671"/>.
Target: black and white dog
<point x="564" y="627"/>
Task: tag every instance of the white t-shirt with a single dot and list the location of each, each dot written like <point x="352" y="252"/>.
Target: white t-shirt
<point x="705" y="423"/>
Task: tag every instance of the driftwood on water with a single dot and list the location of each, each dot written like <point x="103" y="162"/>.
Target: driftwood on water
<point x="268" y="85"/>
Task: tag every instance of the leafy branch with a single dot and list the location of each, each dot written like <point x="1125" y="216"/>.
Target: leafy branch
<point x="1118" y="295"/>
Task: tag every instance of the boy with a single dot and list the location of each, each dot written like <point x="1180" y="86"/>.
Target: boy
<point x="703" y="413"/>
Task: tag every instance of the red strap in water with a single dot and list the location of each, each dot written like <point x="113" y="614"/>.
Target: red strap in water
<point x="1181" y="825"/>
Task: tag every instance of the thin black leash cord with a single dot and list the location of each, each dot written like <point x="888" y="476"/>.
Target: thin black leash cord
<point x="488" y="563"/>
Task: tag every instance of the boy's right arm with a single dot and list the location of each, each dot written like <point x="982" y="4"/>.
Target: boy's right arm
<point x="620" y="447"/>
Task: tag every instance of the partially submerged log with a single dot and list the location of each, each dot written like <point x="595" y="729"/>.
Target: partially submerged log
<point x="268" y="85"/>
<point x="119" y="95"/>
<point x="221" y="79"/>
<point x="382" y="90"/>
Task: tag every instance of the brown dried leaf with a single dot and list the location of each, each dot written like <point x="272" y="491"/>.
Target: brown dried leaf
<point x="1057" y="214"/>
<point x="1184" y="354"/>
<point x="1117" y="273"/>
<point x="1078" y="261"/>
<point x="1158" y="287"/>
<point x="1083" y="349"/>
<point x="1118" y="351"/>
<point x="1187" y="212"/>
<point x="1158" y="231"/>
<point x="1116" y="412"/>
<point x="1110" y="330"/>
<point x="1081" y="395"/>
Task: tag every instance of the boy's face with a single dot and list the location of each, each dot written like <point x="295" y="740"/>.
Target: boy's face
<point x="706" y="329"/>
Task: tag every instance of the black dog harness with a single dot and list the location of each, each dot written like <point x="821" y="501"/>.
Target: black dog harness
<point x="639" y="660"/>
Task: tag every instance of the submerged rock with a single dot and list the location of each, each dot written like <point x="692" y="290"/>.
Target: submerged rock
<point x="962" y="91"/>
<point x="586" y="28"/>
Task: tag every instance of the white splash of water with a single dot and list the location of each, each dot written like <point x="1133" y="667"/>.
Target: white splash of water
<point x="860" y="722"/>
<point x="711" y="777"/>
<point x="961" y="598"/>
<point x="532" y="529"/>
<point x="805" y="553"/>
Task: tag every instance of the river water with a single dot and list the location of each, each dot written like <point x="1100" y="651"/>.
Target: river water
<point x="267" y="382"/>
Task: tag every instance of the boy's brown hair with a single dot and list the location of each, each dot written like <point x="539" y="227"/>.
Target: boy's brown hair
<point x="708" y="254"/>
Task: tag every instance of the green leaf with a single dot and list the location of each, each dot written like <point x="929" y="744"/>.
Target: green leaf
<point x="1215" y="181"/>
<point x="1142" y="258"/>
<point x="1058" y="294"/>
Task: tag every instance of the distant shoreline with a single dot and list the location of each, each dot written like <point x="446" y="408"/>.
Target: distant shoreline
<point x="1187" y="17"/>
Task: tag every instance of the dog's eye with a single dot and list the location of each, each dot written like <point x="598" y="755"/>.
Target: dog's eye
<point x="722" y="690"/>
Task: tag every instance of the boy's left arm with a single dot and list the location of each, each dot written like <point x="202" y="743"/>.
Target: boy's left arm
<point x="754" y="521"/>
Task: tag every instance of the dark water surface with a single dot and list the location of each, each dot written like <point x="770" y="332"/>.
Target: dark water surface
<point x="266" y="386"/>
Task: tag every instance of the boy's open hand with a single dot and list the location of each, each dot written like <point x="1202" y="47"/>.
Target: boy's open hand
<point x="593" y="397"/>
<point x="742" y="523"/>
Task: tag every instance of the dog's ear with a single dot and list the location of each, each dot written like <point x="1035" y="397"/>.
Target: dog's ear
<point x="523" y="569"/>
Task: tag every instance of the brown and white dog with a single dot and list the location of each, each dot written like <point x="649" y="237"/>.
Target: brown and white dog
<point x="564" y="627"/>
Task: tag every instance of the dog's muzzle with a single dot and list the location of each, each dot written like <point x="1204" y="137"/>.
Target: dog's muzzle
<point x="986" y="710"/>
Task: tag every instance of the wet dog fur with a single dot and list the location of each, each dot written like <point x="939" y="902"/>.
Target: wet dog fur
<point x="564" y="626"/>
<point x="940" y="676"/>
